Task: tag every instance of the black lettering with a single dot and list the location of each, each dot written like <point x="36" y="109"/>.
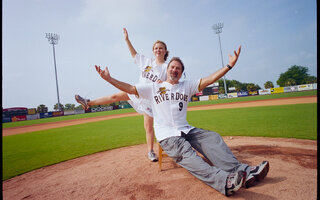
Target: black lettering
<point x="155" y="78"/>
<point x="172" y="96"/>
<point x="147" y="76"/>
<point x="151" y="75"/>
<point x="156" y="99"/>
<point x="177" y="96"/>
<point x="162" y="97"/>
<point x="167" y="97"/>
<point x="181" y="96"/>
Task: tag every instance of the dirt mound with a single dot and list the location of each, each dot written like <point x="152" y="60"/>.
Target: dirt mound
<point x="126" y="173"/>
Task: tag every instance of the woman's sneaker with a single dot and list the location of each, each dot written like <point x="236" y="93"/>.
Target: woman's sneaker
<point x="257" y="173"/>
<point x="235" y="182"/>
<point x="82" y="101"/>
<point x="152" y="156"/>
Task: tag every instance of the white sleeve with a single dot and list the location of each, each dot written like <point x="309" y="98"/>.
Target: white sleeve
<point x="193" y="86"/>
<point x="140" y="60"/>
<point x="144" y="90"/>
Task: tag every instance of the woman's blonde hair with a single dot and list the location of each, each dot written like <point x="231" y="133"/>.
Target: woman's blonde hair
<point x="167" y="53"/>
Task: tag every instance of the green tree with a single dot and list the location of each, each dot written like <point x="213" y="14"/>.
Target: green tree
<point x="268" y="84"/>
<point x="252" y="87"/>
<point x="221" y="90"/>
<point x="69" y="106"/>
<point x="79" y="107"/>
<point x="298" y="73"/>
<point x="310" y="79"/>
<point x="55" y="107"/>
<point x="42" y="108"/>
<point x="238" y="85"/>
<point x="290" y="82"/>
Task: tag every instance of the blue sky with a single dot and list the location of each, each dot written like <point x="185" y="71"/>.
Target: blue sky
<point x="274" y="35"/>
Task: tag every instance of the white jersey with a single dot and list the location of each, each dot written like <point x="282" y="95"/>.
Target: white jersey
<point x="150" y="72"/>
<point x="169" y="104"/>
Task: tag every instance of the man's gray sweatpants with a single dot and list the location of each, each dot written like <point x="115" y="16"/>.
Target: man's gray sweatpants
<point x="211" y="146"/>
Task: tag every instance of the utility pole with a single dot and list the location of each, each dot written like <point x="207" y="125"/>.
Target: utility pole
<point x="53" y="39"/>
<point x="218" y="29"/>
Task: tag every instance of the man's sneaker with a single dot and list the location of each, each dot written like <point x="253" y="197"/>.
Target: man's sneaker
<point x="152" y="156"/>
<point x="82" y="101"/>
<point x="235" y="182"/>
<point x="257" y="173"/>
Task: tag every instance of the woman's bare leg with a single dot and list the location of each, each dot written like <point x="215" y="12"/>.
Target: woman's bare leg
<point x="120" y="96"/>
<point x="148" y="126"/>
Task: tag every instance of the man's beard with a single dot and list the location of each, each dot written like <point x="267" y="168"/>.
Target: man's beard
<point x="172" y="78"/>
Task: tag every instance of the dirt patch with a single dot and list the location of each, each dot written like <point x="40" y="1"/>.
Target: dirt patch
<point x="126" y="173"/>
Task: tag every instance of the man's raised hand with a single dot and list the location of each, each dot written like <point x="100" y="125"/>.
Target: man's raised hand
<point x="233" y="59"/>
<point x="103" y="73"/>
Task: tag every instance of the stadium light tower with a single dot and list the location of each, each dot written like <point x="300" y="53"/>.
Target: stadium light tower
<point x="218" y="29"/>
<point x="53" y="39"/>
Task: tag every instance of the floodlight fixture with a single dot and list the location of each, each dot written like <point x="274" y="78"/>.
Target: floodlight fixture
<point x="53" y="39"/>
<point x="218" y="29"/>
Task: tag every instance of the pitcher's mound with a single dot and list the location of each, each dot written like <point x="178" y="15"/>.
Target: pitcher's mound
<point x="126" y="173"/>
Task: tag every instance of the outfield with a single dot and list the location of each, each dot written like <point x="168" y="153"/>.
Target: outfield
<point x="26" y="152"/>
<point x="131" y="110"/>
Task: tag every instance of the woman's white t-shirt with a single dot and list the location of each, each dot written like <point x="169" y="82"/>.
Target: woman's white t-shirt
<point x="150" y="72"/>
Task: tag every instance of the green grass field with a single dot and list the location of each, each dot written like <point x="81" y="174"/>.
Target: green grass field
<point x="130" y="110"/>
<point x="26" y="152"/>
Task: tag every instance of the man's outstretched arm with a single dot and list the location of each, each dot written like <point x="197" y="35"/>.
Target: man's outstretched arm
<point x="125" y="87"/>
<point x="218" y="74"/>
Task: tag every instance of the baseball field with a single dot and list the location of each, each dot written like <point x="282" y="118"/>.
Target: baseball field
<point x="103" y="155"/>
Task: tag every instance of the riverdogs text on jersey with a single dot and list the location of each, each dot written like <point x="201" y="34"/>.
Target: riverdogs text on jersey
<point x="164" y="96"/>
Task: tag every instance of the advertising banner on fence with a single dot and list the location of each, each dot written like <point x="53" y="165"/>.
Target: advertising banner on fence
<point x="304" y="87"/>
<point x="242" y="94"/>
<point x="79" y="111"/>
<point x="222" y="96"/>
<point x="6" y="119"/>
<point x="252" y="93"/>
<point x="232" y="95"/>
<point x="199" y="94"/>
<point x="195" y="99"/>
<point x="68" y="112"/>
<point x="264" y="92"/>
<point x="277" y="90"/>
<point x="213" y="97"/>
<point x="291" y="88"/>
<point x="32" y="117"/>
<point x="204" y="98"/>
<point x="46" y="115"/>
<point x="32" y="111"/>
<point x="99" y="109"/>
<point x="19" y="118"/>
<point x="57" y="113"/>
